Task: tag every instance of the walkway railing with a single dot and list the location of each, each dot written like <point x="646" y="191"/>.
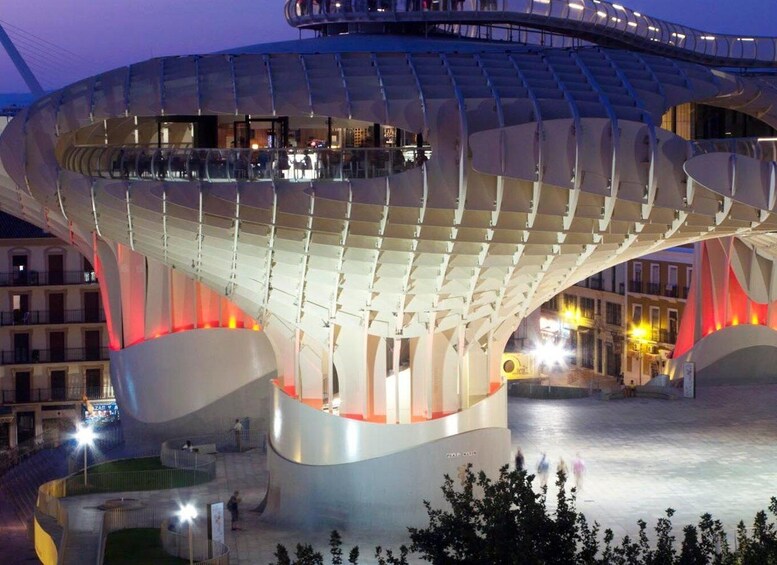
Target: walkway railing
<point x="591" y="20"/>
<point x="186" y="164"/>
<point x="763" y="148"/>
<point x="48" y="504"/>
<point x="204" y="551"/>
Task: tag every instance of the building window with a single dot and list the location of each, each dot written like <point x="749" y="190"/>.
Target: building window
<point x="673" y="318"/>
<point x="636" y="314"/>
<point x="636" y="281"/>
<point x="587" y="307"/>
<point x="56" y="347"/>
<point x="20" y="307"/>
<point x="654" y="286"/>
<point x="688" y="280"/>
<point x="587" y="350"/>
<point x="671" y="285"/>
<point x="613" y="313"/>
<point x="570" y="302"/>
<point x="19" y="271"/>
<point x="551" y="304"/>
<point x="655" y="323"/>
<point x="94" y="383"/>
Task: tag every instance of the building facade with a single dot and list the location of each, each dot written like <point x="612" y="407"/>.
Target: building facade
<point x="657" y="292"/>
<point x="53" y="341"/>
<point x="587" y="326"/>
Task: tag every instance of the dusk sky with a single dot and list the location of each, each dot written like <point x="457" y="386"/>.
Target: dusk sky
<point x="103" y="34"/>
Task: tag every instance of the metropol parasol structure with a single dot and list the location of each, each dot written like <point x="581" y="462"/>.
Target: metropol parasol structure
<point x="364" y="217"/>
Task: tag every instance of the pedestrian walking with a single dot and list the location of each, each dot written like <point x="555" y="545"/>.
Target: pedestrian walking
<point x="519" y="460"/>
<point x="562" y="467"/>
<point x="542" y="469"/>
<point x="238" y="429"/>
<point x="578" y="468"/>
<point x="233" y="507"/>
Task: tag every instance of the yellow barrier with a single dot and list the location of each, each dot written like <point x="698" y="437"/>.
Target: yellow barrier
<point x="45" y="547"/>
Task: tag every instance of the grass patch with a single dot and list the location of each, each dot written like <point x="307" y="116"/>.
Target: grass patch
<point x="144" y="473"/>
<point x="129" y="465"/>
<point x="138" y="545"/>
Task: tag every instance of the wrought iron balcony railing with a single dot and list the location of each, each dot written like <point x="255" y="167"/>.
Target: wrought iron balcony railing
<point x="40" y="317"/>
<point x="44" y="278"/>
<point x="659" y="289"/>
<point x="24" y="356"/>
<point x="63" y="394"/>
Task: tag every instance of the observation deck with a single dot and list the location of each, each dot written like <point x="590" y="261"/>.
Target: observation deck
<point x="553" y="23"/>
<point x="136" y="162"/>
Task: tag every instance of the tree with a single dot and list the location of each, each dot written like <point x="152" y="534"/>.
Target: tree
<point x="504" y="521"/>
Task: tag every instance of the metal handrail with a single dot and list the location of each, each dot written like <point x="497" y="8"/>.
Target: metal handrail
<point x="596" y="21"/>
<point x="172" y="164"/>
<point x="762" y="148"/>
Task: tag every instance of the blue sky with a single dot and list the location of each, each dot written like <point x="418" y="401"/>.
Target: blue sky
<point x="102" y="34"/>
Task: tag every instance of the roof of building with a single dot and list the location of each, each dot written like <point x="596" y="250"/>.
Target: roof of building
<point x="12" y="227"/>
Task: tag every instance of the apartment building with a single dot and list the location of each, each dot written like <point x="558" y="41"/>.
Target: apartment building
<point x="53" y="340"/>
<point x="586" y="323"/>
<point x="621" y="321"/>
<point x="657" y="291"/>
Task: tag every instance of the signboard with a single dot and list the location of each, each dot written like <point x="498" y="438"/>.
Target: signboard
<point x="517" y="366"/>
<point x="689" y="380"/>
<point x="216" y="522"/>
<point x="102" y="413"/>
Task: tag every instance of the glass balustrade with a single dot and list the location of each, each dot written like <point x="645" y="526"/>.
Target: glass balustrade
<point x="229" y="165"/>
<point x="762" y="148"/>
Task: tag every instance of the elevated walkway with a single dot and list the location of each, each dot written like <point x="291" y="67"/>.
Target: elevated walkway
<point x="562" y="23"/>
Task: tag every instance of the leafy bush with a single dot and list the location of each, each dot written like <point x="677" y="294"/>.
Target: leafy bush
<point x="504" y="521"/>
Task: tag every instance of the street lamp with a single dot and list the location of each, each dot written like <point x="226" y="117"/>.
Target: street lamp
<point x="639" y="333"/>
<point x="187" y="514"/>
<point x="85" y="437"/>
<point x="548" y="354"/>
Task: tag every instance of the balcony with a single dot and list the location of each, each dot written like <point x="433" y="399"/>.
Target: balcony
<point x="68" y="394"/>
<point x="47" y="278"/>
<point x="65" y="355"/>
<point x="661" y="335"/>
<point x="41" y="317"/>
<point x="658" y="289"/>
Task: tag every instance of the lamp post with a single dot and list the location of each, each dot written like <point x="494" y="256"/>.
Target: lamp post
<point x="187" y="514"/>
<point x="638" y="333"/>
<point x="85" y="437"/>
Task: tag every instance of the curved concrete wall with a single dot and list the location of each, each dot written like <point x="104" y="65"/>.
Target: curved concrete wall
<point x="745" y="354"/>
<point x="339" y="440"/>
<point x="193" y="381"/>
<point x="385" y="492"/>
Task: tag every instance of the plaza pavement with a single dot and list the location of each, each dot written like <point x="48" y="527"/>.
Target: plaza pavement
<point x="715" y="454"/>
